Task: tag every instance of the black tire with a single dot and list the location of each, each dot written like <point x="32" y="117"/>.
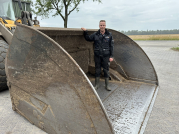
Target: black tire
<point x="3" y="49"/>
<point x="22" y="14"/>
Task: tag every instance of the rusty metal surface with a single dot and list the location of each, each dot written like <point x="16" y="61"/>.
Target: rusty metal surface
<point x="73" y="42"/>
<point x="7" y="35"/>
<point x="133" y="60"/>
<point x="127" y="104"/>
<point x="48" y="87"/>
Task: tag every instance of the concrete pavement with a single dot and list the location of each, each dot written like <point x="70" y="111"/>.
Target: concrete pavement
<point x="164" y="118"/>
<point x="11" y="122"/>
<point x="165" y="114"/>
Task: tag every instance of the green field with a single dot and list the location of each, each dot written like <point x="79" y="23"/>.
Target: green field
<point x="155" y="37"/>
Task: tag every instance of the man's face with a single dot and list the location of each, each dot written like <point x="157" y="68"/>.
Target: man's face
<point x="102" y="26"/>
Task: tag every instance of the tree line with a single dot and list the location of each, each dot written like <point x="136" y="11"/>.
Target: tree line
<point x="150" y="32"/>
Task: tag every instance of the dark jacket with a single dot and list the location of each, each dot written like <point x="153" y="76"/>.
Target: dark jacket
<point x="103" y="44"/>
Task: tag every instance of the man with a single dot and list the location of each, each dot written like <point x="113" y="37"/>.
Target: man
<point x="103" y="51"/>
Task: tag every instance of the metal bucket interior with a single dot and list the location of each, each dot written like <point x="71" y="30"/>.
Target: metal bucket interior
<point x="50" y="74"/>
<point x="133" y="77"/>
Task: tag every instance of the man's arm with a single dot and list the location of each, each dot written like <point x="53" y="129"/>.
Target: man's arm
<point x="111" y="49"/>
<point x="88" y="37"/>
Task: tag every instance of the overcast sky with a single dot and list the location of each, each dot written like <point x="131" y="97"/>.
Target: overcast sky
<point x="122" y="15"/>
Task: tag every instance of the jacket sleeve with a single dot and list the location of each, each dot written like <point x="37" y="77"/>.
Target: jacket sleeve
<point x="89" y="37"/>
<point x="111" y="47"/>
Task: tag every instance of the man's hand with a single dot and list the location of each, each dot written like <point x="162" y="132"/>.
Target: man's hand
<point x="84" y="29"/>
<point x="110" y="59"/>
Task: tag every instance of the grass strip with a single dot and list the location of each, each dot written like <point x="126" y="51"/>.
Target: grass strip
<point x="175" y="48"/>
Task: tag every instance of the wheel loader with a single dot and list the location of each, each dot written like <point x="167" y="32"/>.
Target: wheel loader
<point x="12" y="12"/>
<point x="50" y="76"/>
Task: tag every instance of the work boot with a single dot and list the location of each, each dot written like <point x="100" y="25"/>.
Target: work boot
<point x="106" y="84"/>
<point x="96" y="83"/>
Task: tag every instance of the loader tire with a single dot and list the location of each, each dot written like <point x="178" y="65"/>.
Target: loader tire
<point x="3" y="49"/>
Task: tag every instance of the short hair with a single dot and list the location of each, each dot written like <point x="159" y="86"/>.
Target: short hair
<point x="102" y="21"/>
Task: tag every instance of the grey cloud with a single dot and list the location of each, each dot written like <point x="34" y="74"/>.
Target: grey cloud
<point x="123" y="15"/>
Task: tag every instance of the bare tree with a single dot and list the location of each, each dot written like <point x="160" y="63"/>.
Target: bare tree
<point x="45" y="7"/>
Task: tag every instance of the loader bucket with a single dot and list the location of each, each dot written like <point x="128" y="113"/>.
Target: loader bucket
<point x="50" y="75"/>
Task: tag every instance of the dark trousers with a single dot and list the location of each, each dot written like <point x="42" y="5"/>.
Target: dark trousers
<point x="101" y="61"/>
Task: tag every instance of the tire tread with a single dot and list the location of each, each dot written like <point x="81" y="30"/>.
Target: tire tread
<point x="3" y="49"/>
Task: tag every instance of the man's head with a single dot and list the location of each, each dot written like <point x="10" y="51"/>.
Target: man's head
<point x="102" y="25"/>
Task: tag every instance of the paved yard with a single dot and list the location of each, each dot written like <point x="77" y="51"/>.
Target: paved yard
<point x="164" y="118"/>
